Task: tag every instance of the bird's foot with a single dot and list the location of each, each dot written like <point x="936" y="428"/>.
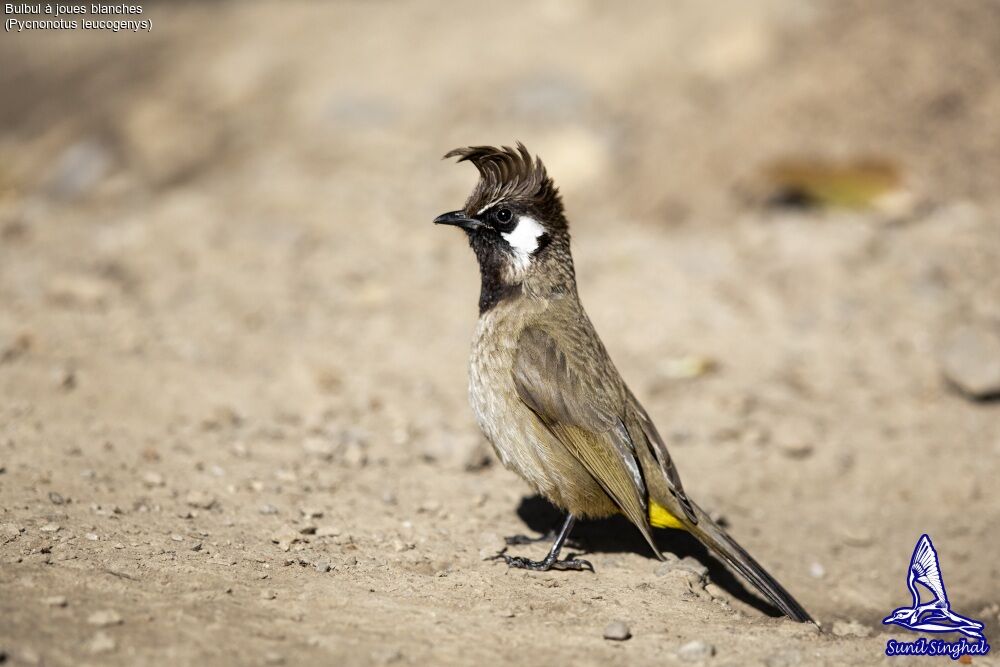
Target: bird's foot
<point x="522" y="563"/>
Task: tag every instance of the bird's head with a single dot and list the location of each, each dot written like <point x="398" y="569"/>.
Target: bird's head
<point x="901" y="614"/>
<point x="514" y="219"/>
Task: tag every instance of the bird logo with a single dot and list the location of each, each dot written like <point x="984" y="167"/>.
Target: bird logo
<point x="935" y="615"/>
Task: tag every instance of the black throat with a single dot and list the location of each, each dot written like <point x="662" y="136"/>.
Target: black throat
<point x="492" y="263"/>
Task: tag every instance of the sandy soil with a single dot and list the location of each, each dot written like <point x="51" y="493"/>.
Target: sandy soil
<point x="233" y="419"/>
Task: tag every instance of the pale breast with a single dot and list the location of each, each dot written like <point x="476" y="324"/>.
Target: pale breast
<point x="504" y="419"/>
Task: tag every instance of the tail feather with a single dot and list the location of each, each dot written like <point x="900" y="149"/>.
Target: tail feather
<point x="716" y="539"/>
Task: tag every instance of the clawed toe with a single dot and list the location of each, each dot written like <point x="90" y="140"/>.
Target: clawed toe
<point x="573" y="564"/>
<point x="522" y="563"/>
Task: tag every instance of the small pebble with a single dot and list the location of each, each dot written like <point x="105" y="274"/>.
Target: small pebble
<point x="268" y="595"/>
<point x="50" y="528"/>
<point x="429" y="506"/>
<point x="617" y="631"/>
<point x="267" y="508"/>
<point x="152" y="479"/>
<point x="101" y="642"/>
<point x="9" y="532"/>
<point x="857" y="537"/>
<point x="817" y="570"/>
<point x="105" y="618"/>
<point x="285" y="536"/>
<point x="200" y="500"/>
<point x="715" y="591"/>
<point x="354" y="455"/>
<point x="695" y="651"/>
<point x="322" y="567"/>
<point x="56" y="498"/>
<point x="272" y="658"/>
<point x="970" y="360"/>
<point x="55" y="601"/>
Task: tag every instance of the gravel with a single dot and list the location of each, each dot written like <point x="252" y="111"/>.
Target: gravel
<point x="285" y="537"/>
<point x="105" y="618"/>
<point x="153" y="479"/>
<point x="101" y="642"/>
<point x="617" y="631"/>
<point x="695" y="651"/>
<point x="200" y="500"/>
<point x="970" y="360"/>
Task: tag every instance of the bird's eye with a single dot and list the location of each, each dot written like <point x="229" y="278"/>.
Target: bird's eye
<point x="503" y="220"/>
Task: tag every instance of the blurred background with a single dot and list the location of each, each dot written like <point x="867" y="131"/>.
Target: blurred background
<point x="230" y="334"/>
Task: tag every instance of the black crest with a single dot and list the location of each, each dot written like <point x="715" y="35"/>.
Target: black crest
<point x="511" y="175"/>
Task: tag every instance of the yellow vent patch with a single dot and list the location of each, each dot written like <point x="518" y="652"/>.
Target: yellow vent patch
<point x="661" y="518"/>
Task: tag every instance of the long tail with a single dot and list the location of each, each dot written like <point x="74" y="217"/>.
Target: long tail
<point x="716" y="539"/>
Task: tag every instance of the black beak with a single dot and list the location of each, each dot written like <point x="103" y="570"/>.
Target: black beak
<point x="458" y="219"/>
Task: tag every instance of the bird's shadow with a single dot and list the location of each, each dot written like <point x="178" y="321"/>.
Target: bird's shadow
<point x="617" y="535"/>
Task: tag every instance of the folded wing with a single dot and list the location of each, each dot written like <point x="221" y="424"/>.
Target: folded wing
<point x="578" y="410"/>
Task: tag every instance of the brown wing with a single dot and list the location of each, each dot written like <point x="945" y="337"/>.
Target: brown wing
<point x="662" y="457"/>
<point x="585" y="415"/>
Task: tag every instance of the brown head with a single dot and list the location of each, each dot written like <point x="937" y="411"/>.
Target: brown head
<point x="515" y="224"/>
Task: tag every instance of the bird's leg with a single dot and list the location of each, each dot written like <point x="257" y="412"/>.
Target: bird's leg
<point x="550" y="562"/>
<point x="519" y="540"/>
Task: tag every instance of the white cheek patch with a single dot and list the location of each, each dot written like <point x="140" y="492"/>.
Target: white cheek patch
<point x="524" y="240"/>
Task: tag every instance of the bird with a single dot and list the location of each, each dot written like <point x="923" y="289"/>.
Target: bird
<point x="543" y="387"/>
<point x="935" y="615"/>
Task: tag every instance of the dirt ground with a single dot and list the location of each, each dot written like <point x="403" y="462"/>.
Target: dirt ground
<point x="233" y="347"/>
